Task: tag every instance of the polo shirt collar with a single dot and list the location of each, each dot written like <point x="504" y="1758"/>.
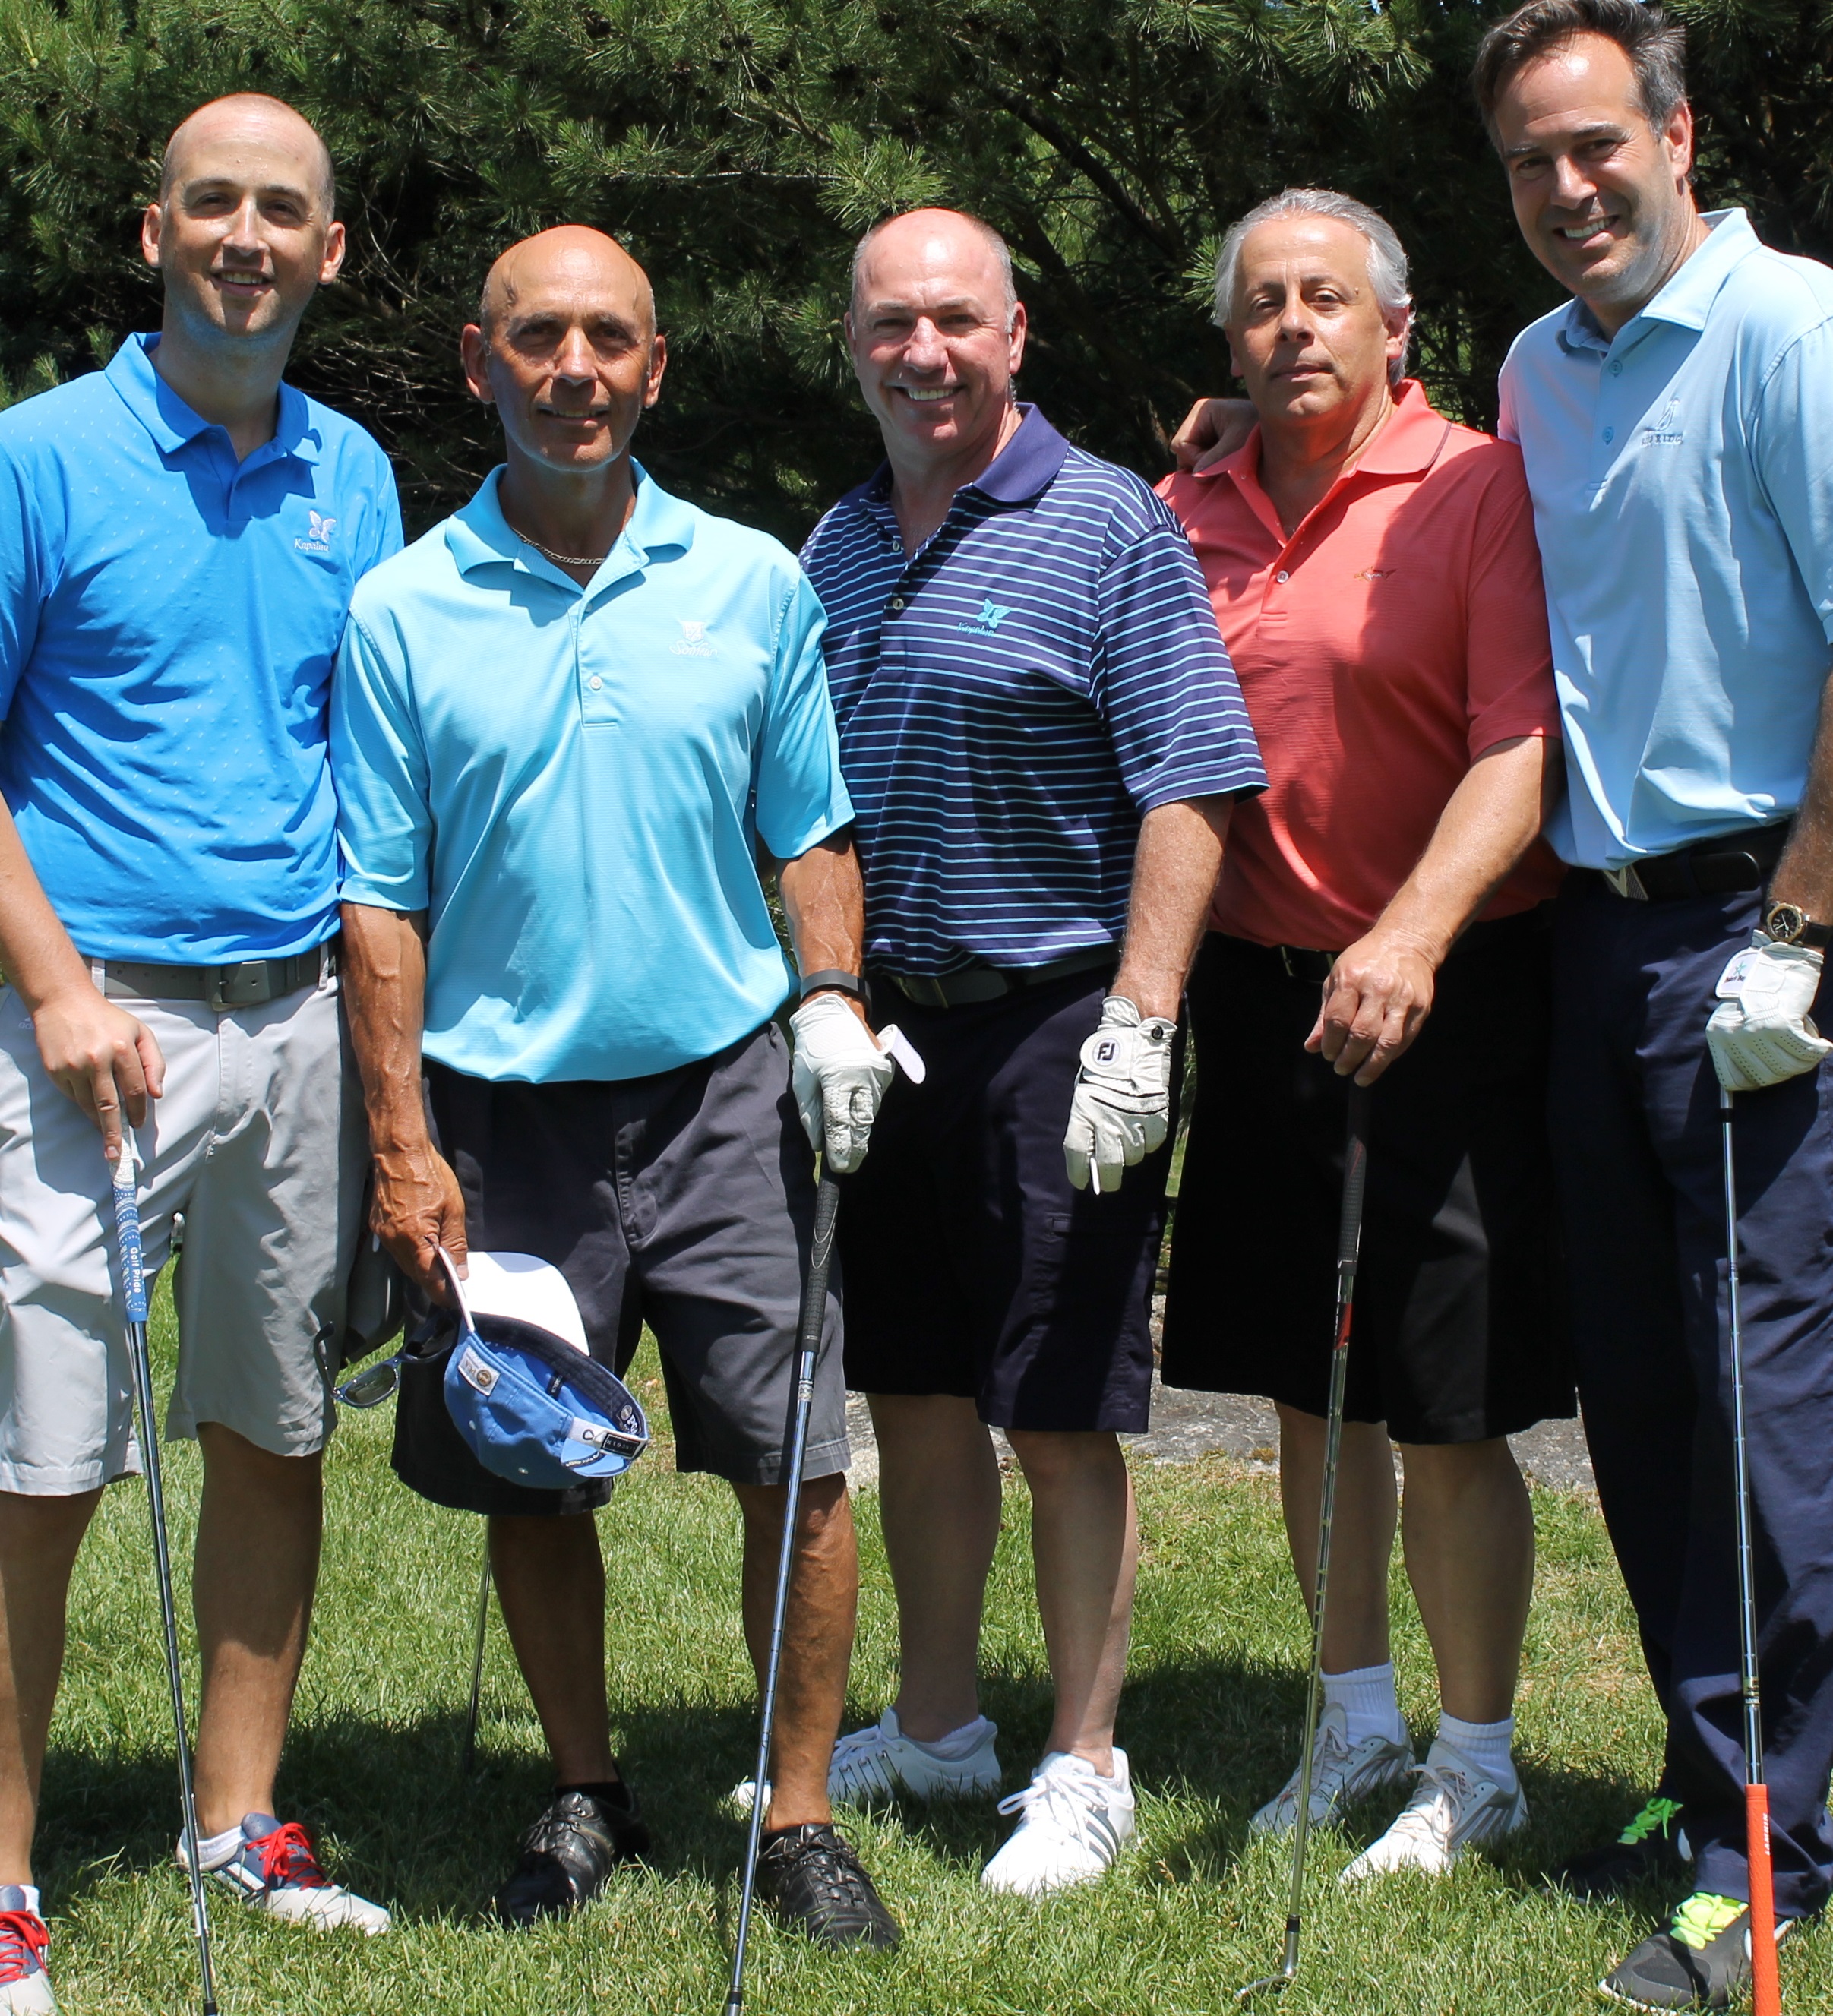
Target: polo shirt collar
<point x="479" y="535"/>
<point x="1022" y="470"/>
<point x="1408" y="445"/>
<point x="1688" y="298"/>
<point x="172" y="423"/>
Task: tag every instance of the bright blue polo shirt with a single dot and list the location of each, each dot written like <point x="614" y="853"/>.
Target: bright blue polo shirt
<point x="1014" y="697"/>
<point x="168" y="619"/>
<point x="573" y="782"/>
<point x="1682" y="475"/>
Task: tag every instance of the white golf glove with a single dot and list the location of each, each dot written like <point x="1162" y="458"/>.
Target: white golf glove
<point x="1122" y="1109"/>
<point x="1761" y="1032"/>
<point x="839" y="1077"/>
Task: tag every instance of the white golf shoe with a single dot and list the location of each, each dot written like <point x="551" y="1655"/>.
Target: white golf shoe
<point x="1340" y="1776"/>
<point x="25" y="1987"/>
<point x="275" y="1869"/>
<point x="879" y="1761"/>
<point x="1073" y="1823"/>
<point x="1454" y="1806"/>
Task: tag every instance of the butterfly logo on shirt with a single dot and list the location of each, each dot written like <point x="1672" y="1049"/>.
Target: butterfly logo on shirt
<point x="987" y="623"/>
<point x="318" y="539"/>
<point x="694" y="643"/>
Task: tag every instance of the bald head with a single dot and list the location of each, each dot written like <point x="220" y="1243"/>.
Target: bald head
<point x="571" y="263"/>
<point x="938" y="241"/>
<point x="248" y="121"/>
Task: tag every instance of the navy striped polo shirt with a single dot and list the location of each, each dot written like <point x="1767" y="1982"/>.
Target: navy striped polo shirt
<point x="1015" y="698"/>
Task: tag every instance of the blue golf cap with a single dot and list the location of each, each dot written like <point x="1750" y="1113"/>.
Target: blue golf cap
<point x="535" y="1409"/>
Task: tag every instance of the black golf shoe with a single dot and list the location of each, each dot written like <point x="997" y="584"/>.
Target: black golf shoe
<point x="811" y="1879"/>
<point x="1652" y="1848"/>
<point x="568" y="1854"/>
<point x="1701" y="1961"/>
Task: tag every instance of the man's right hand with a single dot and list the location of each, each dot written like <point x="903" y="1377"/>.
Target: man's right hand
<point x="418" y="1209"/>
<point x="104" y="1059"/>
<point x="1213" y="429"/>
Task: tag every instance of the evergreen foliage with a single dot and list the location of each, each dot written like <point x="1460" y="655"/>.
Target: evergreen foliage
<point x="737" y="147"/>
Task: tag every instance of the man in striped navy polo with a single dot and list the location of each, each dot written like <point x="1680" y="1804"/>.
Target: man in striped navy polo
<point x="1042" y="735"/>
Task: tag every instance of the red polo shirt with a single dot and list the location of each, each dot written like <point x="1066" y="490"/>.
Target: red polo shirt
<point x="1398" y="634"/>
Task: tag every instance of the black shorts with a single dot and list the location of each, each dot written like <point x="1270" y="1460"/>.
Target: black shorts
<point x="1460" y="1327"/>
<point x="972" y="1267"/>
<point x="686" y="1200"/>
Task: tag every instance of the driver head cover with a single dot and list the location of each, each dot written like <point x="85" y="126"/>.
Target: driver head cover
<point x="530" y="1403"/>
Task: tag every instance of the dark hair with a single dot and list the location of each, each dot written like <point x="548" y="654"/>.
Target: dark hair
<point x="1655" y="46"/>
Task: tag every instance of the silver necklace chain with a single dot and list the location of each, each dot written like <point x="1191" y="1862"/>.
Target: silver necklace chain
<point x="562" y="559"/>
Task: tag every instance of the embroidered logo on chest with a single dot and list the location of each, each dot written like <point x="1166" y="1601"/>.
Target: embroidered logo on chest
<point x="1667" y="431"/>
<point x="694" y="642"/>
<point x="317" y="538"/>
<point x="987" y="623"/>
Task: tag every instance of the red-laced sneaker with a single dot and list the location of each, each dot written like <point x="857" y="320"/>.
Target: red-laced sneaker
<point x="275" y="1869"/>
<point x="25" y="1987"/>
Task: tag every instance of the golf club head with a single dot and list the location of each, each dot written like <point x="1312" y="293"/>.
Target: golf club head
<point x="1271" y="1983"/>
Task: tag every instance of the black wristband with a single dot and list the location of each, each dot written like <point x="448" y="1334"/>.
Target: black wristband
<point x="846" y="983"/>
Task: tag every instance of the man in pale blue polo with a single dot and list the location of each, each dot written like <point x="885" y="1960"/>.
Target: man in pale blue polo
<point x="567" y="722"/>
<point x="179" y="536"/>
<point x="1675" y="419"/>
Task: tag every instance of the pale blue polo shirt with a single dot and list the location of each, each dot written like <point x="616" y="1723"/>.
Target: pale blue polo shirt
<point x="573" y="781"/>
<point x="1682" y="476"/>
<point x="168" y="620"/>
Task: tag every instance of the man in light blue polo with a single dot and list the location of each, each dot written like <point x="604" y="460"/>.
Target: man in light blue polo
<point x="567" y="722"/>
<point x="1676" y="422"/>
<point x="179" y="536"/>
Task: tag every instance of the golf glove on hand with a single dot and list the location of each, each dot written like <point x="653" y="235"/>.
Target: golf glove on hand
<point x="1122" y="1108"/>
<point x="839" y="1077"/>
<point x="1761" y="1032"/>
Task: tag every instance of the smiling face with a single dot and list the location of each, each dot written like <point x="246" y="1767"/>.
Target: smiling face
<point x="934" y="339"/>
<point x="243" y="233"/>
<point x="1308" y="336"/>
<point x="1600" y="194"/>
<point x="568" y="351"/>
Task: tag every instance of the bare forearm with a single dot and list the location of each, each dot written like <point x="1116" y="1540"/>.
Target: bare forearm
<point x="384" y="969"/>
<point x="824" y="898"/>
<point x="1179" y="857"/>
<point x="1804" y="876"/>
<point x="36" y="952"/>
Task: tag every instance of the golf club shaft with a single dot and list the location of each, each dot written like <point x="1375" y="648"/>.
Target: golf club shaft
<point x="1348" y="1251"/>
<point x="1766" y="1984"/>
<point x="127" y="1220"/>
<point x="477" y="1658"/>
<point x="808" y="1352"/>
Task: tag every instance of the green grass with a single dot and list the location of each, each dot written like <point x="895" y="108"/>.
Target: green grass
<point x="1209" y="1718"/>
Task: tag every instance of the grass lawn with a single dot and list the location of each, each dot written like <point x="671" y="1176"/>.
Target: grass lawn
<point x="1210" y="1719"/>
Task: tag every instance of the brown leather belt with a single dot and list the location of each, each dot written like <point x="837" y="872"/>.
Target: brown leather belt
<point x="976" y="983"/>
<point x="248" y="983"/>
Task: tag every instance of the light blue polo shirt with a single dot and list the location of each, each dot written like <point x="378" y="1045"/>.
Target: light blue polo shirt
<point x="573" y="782"/>
<point x="168" y="620"/>
<point x="1682" y="475"/>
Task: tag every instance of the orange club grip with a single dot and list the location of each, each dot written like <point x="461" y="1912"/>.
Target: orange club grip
<point x="1765" y="1981"/>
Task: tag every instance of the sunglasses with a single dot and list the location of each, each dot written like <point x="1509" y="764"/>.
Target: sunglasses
<point x="373" y="1384"/>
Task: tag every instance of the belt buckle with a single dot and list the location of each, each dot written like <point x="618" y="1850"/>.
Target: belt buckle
<point x="924" y="989"/>
<point x="243" y="985"/>
<point x="1627" y="882"/>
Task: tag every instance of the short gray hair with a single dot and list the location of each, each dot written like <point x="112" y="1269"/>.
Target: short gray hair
<point x="993" y="242"/>
<point x="1386" y="256"/>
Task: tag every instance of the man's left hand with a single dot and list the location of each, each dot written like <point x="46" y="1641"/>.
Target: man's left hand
<point x="1122" y="1107"/>
<point x="840" y="1075"/>
<point x="1761" y="1032"/>
<point x="1375" y="1001"/>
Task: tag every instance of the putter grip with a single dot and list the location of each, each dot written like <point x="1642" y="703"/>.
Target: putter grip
<point x="127" y="1226"/>
<point x="1354" y="1176"/>
<point x="1764" y="1979"/>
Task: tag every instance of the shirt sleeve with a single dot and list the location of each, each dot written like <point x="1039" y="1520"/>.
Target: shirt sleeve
<point x="25" y="571"/>
<point x="378" y="765"/>
<point x="1794" y="451"/>
<point x="1162" y="681"/>
<point x="387" y="539"/>
<point x="1508" y="654"/>
<point x="801" y="798"/>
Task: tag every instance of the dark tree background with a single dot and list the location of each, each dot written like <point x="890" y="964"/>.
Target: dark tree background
<point x="738" y="146"/>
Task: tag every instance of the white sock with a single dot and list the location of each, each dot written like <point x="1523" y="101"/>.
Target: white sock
<point x="1365" y="1695"/>
<point x="29" y="1892"/>
<point x="214" y="1849"/>
<point x="1485" y="1744"/>
<point x="959" y="1743"/>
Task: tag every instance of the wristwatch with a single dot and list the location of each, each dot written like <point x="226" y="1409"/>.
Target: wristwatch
<point x="1787" y="923"/>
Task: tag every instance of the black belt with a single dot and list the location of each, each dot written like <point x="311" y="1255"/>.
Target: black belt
<point x="1301" y="962"/>
<point x="250" y="983"/>
<point x="976" y="983"/>
<point x="1721" y="866"/>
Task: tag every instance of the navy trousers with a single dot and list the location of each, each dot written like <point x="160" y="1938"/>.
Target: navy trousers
<point x="1637" y="1151"/>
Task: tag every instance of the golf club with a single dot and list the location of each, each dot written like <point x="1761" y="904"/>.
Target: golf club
<point x="477" y="1661"/>
<point x="1764" y="1978"/>
<point x="1348" y="1247"/>
<point x="809" y="1351"/>
<point x="127" y="1225"/>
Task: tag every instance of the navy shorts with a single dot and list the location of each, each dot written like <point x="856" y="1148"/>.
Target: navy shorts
<point x="972" y="1267"/>
<point x="686" y="1200"/>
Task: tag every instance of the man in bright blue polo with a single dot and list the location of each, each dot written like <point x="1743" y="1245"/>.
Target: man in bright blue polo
<point x="566" y="721"/>
<point x="179" y="536"/>
<point x="1676" y="422"/>
<point x="1042" y="735"/>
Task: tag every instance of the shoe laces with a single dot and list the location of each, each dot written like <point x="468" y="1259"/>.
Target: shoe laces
<point x="1432" y="1815"/>
<point x="830" y="1864"/>
<point x="24" y="1939"/>
<point x="1064" y="1798"/>
<point x="1657" y="1817"/>
<point x="288" y="1861"/>
<point x="1703" y="1916"/>
<point x="860" y="1761"/>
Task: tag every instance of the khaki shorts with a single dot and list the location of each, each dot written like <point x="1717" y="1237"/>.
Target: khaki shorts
<point x="259" y="1141"/>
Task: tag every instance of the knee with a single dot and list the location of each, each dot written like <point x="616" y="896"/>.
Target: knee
<point x="1057" y="1461"/>
<point x="1449" y="1469"/>
<point x="231" y="1459"/>
<point x="824" y="1517"/>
